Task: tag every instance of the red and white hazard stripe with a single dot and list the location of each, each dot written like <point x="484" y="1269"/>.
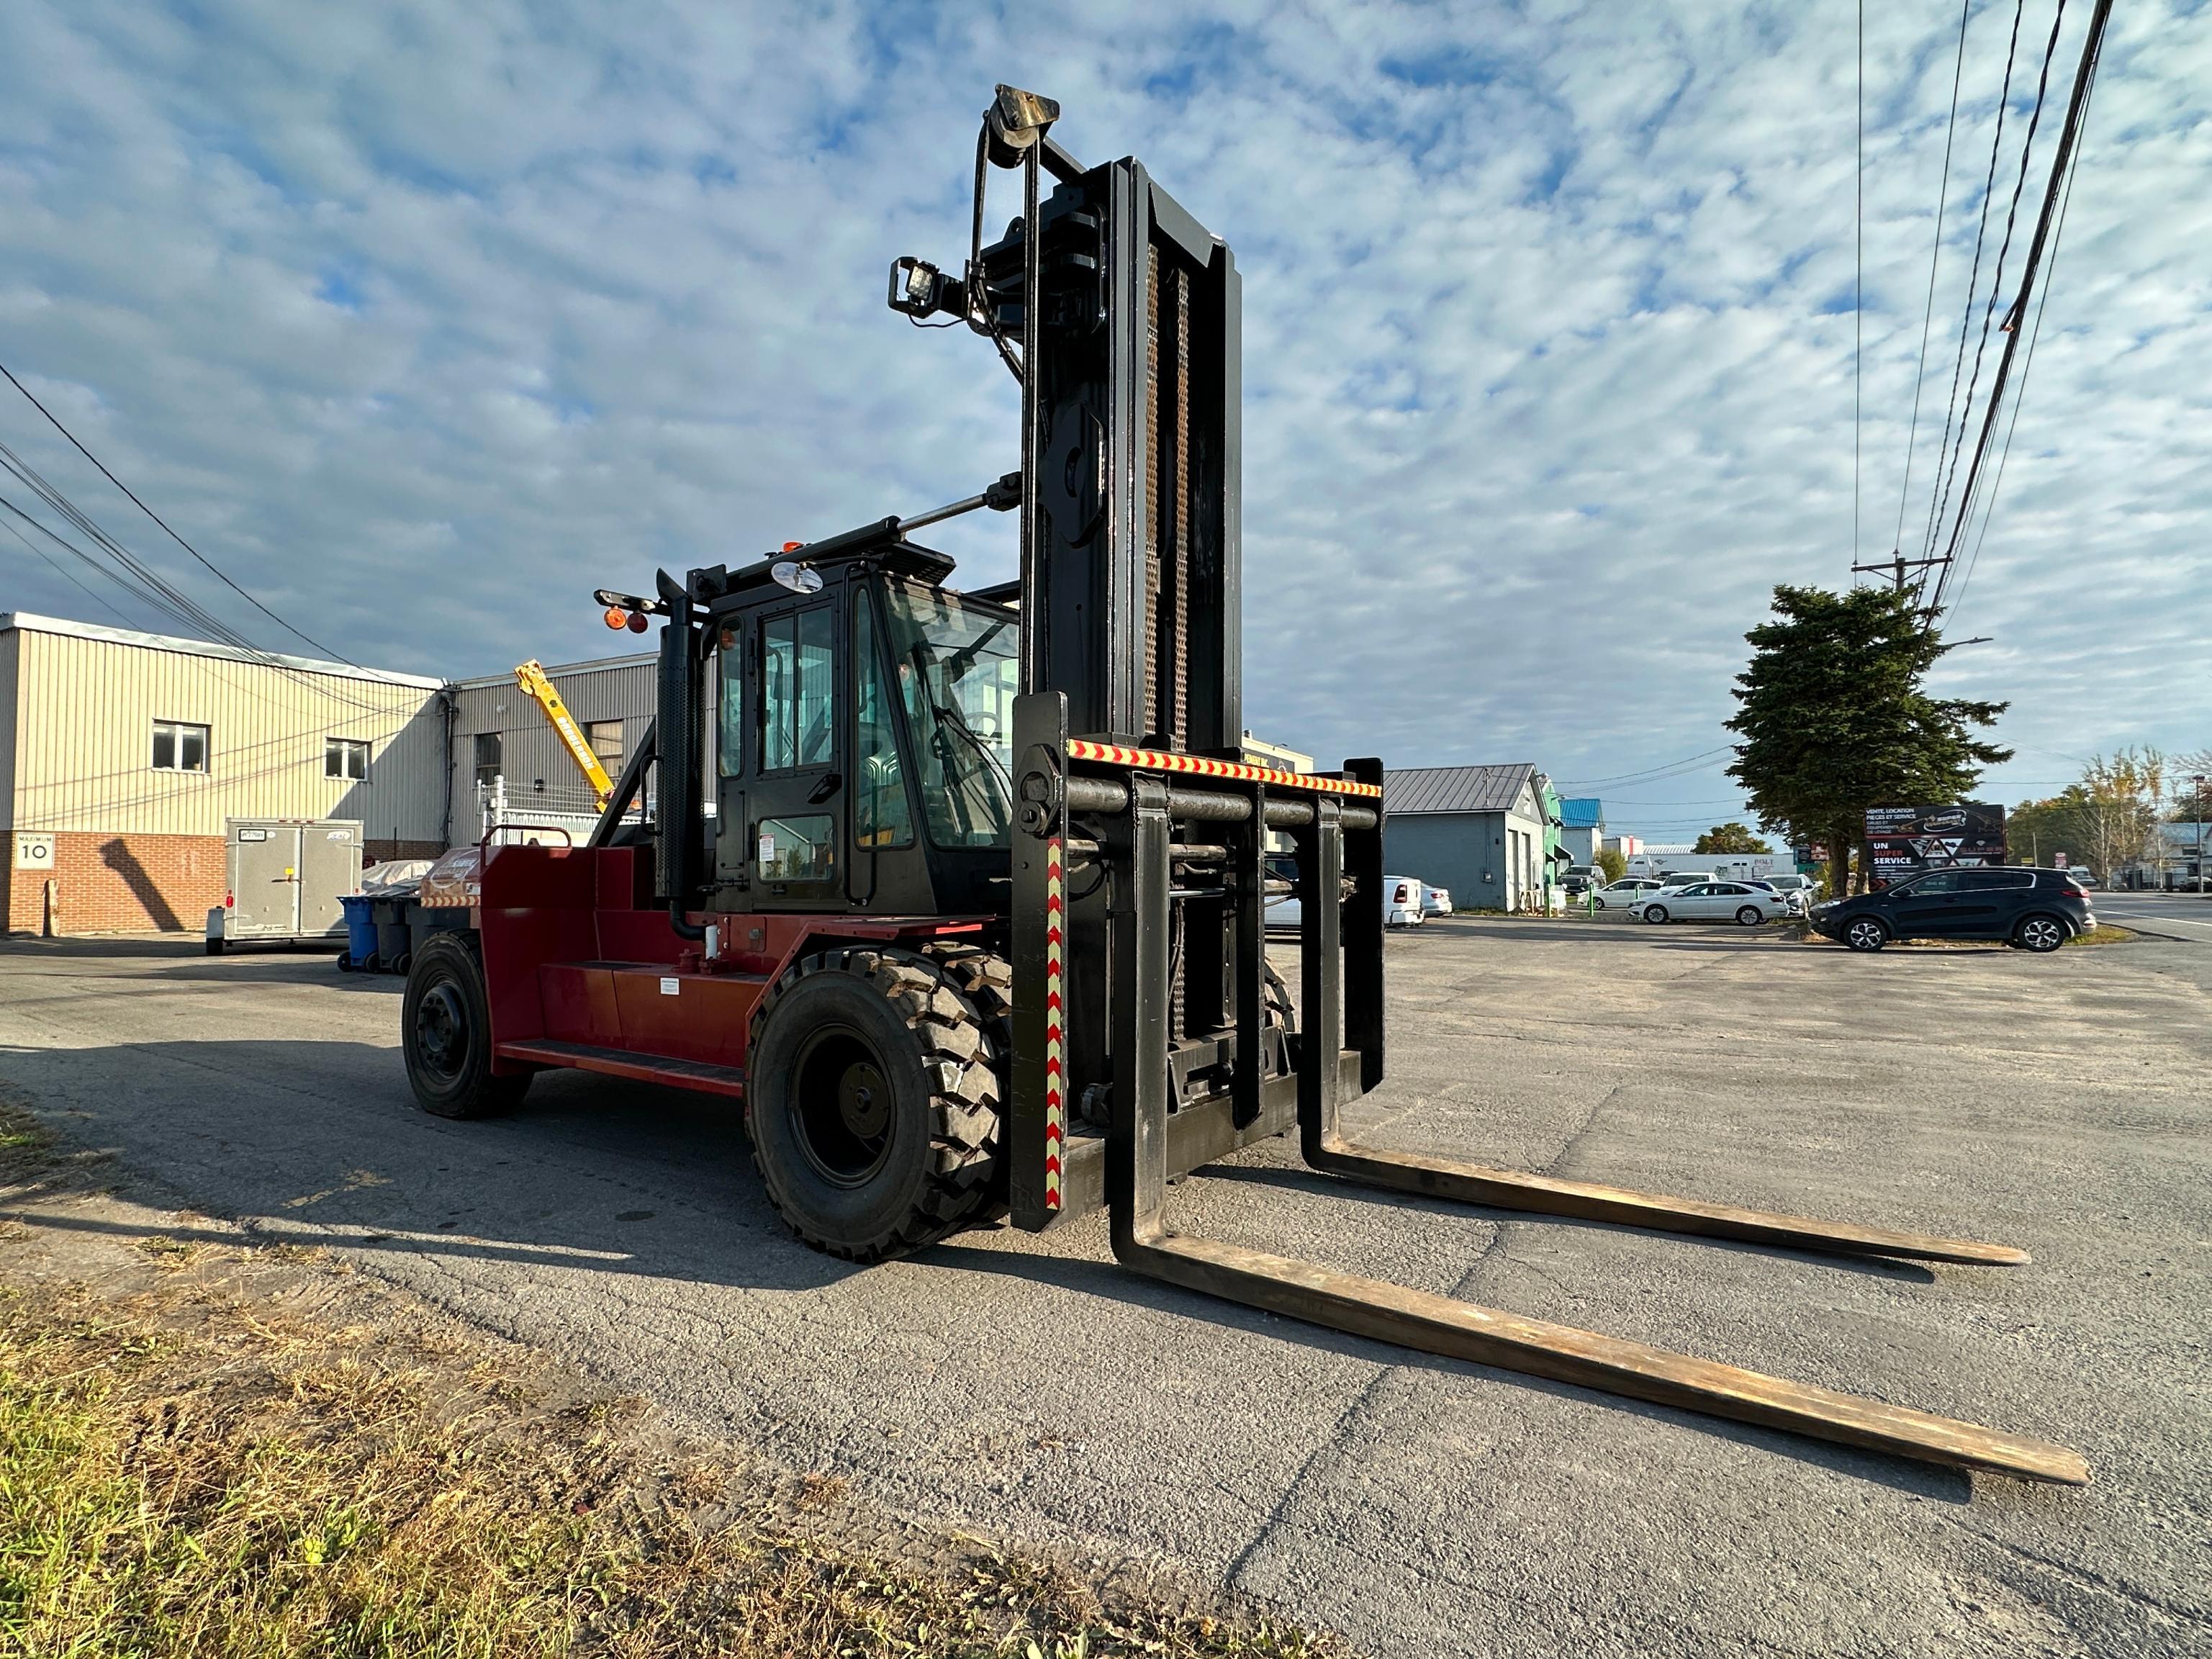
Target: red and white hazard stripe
<point x="1158" y="760"/>
<point x="1055" y="1071"/>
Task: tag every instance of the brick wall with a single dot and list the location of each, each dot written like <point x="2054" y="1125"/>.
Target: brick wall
<point x="117" y="883"/>
<point x="383" y="852"/>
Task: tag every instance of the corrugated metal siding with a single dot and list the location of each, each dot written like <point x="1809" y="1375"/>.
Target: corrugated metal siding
<point x="83" y="749"/>
<point x="1454" y="788"/>
<point x="530" y="751"/>
<point x="1462" y="852"/>
<point x="10" y="653"/>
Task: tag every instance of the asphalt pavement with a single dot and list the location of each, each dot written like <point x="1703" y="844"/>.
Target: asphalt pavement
<point x="1029" y="1388"/>
<point x="2170" y="915"/>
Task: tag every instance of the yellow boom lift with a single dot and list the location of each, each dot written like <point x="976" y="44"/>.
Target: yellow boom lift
<point x="531" y="677"/>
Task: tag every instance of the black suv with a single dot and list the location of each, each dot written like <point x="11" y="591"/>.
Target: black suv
<point x="2035" y="909"/>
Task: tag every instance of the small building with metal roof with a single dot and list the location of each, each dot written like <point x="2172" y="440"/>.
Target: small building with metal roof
<point x="1581" y="828"/>
<point x="1477" y="830"/>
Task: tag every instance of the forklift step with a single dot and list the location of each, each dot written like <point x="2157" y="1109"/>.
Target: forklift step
<point x="619" y="1062"/>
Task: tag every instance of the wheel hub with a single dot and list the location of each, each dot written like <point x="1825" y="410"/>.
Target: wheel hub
<point x="863" y="1101"/>
<point x="440" y="1029"/>
<point x="841" y="1107"/>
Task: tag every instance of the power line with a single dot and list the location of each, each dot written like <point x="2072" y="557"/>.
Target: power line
<point x="2084" y="77"/>
<point x="172" y="534"/>
<point x="2020" y="397"/>
<point x="1934" y="258"/>
<point x="151" y="586"/>
<point x="144" y="585"/>
<point x="1652" y="773"/>
<point x="1988" y="312"/>
<point x="61" y="569"/>
<point x="1974" y="281"/>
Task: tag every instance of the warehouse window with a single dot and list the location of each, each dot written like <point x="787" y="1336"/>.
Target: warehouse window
<point x="605" y="737"/>
<point x="179" y="747"/>
<point x="488" y="758"/>
<point x="345" y="757"/>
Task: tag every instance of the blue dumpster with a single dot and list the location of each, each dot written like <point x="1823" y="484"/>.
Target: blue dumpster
<point x="360" y="953"/>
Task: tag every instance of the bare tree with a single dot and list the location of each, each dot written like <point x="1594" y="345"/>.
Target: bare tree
<point x="2120" y="807"/>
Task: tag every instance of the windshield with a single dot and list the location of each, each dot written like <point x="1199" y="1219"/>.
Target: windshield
<point x="958" y="676"/>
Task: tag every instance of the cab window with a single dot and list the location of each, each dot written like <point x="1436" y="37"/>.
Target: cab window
<point x="730" y="706"/>
<point x="797" y="690"/>
<point x="880" y="815"/>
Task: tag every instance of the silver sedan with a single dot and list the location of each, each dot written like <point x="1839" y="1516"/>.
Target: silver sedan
<point x="1713" y="900"/>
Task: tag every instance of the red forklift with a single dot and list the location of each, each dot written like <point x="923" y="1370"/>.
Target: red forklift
<point x="960" y="896"/>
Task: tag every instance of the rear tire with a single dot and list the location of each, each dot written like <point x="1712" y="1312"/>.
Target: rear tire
<point x="1866" y="934"/>
<point x="1655" y="912"/>
<point x="2041" y="935"/>
<point x="215" y="946"/>
<point x="873" y="1103"/>
<point x="445" y="1032"/>
<point x="1751" y="915"/>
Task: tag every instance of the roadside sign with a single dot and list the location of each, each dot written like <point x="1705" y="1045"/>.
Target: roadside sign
<point x="2058" y="860"/>
<point x="1907" y="840"/>
<point x="34" y="849"/>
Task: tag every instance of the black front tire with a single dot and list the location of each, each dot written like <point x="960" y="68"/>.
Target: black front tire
<point x="873" y="1103"/>
<point x="445" y="1032"/>
<point x="1655" y="912"/>
<point x="1865" y="934"/>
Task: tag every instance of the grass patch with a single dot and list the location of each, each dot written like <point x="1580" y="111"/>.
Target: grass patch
<point x="2104" y="934"/>
<point x="213" y="1449"/>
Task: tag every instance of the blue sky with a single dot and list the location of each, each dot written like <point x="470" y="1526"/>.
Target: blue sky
<point x="423" y="321"/>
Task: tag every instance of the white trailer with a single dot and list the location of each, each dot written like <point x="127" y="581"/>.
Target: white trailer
<point x="284" y="879"/>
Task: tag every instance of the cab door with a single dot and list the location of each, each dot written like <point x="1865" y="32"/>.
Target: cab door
<point x="794" y="811"/>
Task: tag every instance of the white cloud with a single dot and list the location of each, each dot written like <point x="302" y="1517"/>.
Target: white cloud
<point x="1548" y="347"/>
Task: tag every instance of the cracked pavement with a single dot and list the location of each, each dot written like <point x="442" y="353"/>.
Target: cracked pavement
<point x="1029" y="1388"/>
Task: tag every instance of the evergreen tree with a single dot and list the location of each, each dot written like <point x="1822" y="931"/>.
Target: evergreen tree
<point x="1834" y="717"/>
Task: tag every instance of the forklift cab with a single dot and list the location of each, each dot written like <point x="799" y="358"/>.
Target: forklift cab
<point x="859" y="738"/>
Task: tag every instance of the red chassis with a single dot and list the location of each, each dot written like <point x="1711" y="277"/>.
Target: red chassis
<point x="582" y="969"/>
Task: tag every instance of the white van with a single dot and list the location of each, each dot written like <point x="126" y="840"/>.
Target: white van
<point x="1402" y="899"/>
<point x="1401" y="902"/>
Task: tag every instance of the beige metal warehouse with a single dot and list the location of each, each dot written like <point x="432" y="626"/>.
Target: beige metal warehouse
<point x="122" y="754"/>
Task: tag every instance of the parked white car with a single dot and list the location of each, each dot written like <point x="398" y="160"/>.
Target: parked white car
<point x="1401" y="902"/>
<point x="1799" y="899"/>
<point x="1435" y="901"/>
<point x="1712" y="901"/>
<point x="1626" y="892"/>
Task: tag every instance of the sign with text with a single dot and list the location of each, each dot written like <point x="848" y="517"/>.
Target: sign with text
<point x="1907" y="840"/>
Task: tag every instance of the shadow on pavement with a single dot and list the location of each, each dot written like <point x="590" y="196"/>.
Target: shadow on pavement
<point x="320" y="1143"/>
<point x="1108" y="1282"/>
